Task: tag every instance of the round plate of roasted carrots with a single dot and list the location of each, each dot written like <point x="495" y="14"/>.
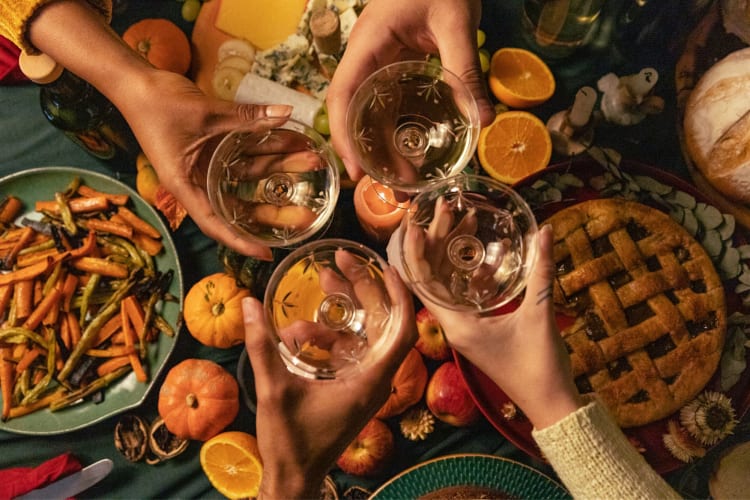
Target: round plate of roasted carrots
<point x="90" y="299"/>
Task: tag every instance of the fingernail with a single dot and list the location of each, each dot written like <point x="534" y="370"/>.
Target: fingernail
<point x="278" y="110"/>
<point x="249" y="311"/>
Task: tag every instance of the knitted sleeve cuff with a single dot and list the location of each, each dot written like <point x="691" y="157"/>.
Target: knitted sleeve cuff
<point x="594" y="459"/>
<point x="16" y="15"/>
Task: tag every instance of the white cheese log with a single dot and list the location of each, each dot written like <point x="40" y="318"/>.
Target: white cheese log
<point x="255" y="89"/>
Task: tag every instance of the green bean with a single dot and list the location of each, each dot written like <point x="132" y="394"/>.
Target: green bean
<point x="45" y="245"/>
<point x="39" y="388"/>
<point x="19" y="335"/>
<point x="89" y="333"/>
<point x="86" y="295"/>
<point x="67" y="216"/>
<point x="135" y="256"/>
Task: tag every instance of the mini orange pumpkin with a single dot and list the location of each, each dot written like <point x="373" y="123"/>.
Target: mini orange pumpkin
<point x="213" y="311"/>
<point x="161" y="42"/>
<point x="198" y="399"/>
<point x="407" y="386"/>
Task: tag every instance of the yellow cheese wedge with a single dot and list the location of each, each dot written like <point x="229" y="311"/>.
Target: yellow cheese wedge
<point x="264" y="23"/>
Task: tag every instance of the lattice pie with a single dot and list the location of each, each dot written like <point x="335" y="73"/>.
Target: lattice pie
<point x="649" y="307"/>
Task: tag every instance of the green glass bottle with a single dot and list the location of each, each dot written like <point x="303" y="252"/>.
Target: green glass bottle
<point x="81" y="112"/>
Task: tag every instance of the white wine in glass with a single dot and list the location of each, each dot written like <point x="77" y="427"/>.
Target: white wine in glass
<point x="329" y="309"/>
<point x="468" y="244"/>
<point x="275" y="182"/>
<point x="412" y="123"/>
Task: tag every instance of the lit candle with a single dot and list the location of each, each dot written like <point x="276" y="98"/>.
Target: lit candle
<point x="378" y="211"/>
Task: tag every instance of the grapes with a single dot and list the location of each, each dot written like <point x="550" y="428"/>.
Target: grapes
<point x="320" y="122"/>
<point x="190" y="9"/>
<point x="481" y="38"/>
<point x="484" y="60"/>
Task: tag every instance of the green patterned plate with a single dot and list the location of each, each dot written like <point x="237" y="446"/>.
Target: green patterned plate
<point x="510" y="478"/>
<point x="40" y="184"/>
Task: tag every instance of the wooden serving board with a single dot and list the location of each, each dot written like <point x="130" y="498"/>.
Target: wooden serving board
<point x="706" y="44"/>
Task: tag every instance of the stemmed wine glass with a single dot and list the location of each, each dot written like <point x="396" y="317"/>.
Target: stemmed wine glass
<point x="467" y="244"/>
<point x="411" y="124"/>
<point x="275" y="181"/>
<point x="329" y="309"/>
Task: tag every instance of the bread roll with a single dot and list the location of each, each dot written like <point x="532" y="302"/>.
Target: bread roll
<point x="717" y="125"/>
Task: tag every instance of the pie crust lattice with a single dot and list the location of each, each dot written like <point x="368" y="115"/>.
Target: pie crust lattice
<point x="649" y="307"/>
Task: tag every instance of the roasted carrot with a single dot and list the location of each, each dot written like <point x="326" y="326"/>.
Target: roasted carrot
<point x="29" y="356"/>
<point x="114" y="198"/>
<point x="152" y="246"/>
<point x="82" y="204"/>
<point x="88" y="247"/>
<point x="112" y="227"/>
<point x="100" y="266"/>
<point x="7" y="380"/>
<point x="111" y="352"/>
<point x="140" y="225"/>
<point x="23" y="298"/>
<point x="112" y="364"/>
<point x="10" y="257"/>
<point x="43" y="402"/>
<point x="51" y="300"/>
<point x="135" y="314"/>
<point x="68" y="290"/>
<point x="28" y="259"/>
<point x="6" y="292"/>
<point x="10" y="209"/>
<point x="26" y="273"/>
<point x="130" y="337"/>
<point x="74" y="328"/>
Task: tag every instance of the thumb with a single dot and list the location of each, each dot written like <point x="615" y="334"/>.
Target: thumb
<point x="264" y="358"/>
<point x="539" y="285"/>
<point x="461" y="57"/>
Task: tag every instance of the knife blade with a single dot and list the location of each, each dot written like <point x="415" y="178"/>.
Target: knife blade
<point x="72" y="484"/>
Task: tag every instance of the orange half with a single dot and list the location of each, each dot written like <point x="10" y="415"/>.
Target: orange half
<point x="519" y="78"/>
<point x="515" y="145"/>
<point x="232" y="463"/>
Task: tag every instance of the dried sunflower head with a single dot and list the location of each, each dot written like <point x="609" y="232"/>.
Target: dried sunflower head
<point x="417" y="424"/>
<point x="680" y="444"/>
<point x="709" y="418"/>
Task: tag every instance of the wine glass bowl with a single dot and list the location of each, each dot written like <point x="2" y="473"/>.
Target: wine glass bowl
<point x="274" y="181"/>
<point x="329" y="310"/>
<point x="412" y="123"/>
<point x="468" y="243"/>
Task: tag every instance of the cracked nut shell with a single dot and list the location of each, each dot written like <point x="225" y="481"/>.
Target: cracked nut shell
<point x="163" y="443"/>
<point x="131" y="437"/>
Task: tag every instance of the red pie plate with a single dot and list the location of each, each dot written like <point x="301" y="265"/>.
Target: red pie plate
<point x="563" y="185"/>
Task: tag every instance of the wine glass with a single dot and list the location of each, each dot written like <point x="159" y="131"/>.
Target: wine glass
<point x="467" y="244"/>
<point x="412" y="123"/>
<point x="329" y="310"/>
<point x="275" y="181"/>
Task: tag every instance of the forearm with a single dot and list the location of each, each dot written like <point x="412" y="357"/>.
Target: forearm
<point x="76" y="36"/>
<point x="594" y="459"/>
<point x="16" y="16"/>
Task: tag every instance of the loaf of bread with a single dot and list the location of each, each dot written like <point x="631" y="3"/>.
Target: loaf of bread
<point x="717" y="125"/>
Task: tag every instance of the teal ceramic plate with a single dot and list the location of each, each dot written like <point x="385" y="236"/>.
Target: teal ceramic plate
<point x="40" y="184"/>
<point x="509" y="478"/>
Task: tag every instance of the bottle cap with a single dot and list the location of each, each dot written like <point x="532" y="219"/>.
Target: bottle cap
<point x="41" y="68"/>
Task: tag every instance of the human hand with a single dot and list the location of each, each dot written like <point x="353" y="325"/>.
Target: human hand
<point x="303" y="425"/>
<point x="522" y="351"/>
<point x="392" y="30"/>
<point x="179" y="132"/>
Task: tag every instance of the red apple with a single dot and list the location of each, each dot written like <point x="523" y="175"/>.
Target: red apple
<point x="431" y="341"/>
<point x="368" y="454"/>
<point x="448" y="397"/>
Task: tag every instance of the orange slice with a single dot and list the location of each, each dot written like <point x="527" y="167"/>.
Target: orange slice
<point x="515" y="145"/>
<point x="232" y="464"/>
<point x="519" y="78"/>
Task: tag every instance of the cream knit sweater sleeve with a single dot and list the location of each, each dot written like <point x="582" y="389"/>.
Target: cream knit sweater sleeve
<point x="594" y="459"/>
<point x="15" y="16"/>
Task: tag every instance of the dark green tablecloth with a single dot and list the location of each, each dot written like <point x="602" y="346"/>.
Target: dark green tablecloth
<point x="27" y="140"/>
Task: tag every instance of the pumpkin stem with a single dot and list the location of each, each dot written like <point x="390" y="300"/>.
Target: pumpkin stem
<point x="217" y="309"/>
<point x="143" y="47"/>
<point x="191" y="400"/>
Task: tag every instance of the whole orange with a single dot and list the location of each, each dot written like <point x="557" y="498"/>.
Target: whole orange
<point x="160" y="42"/>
